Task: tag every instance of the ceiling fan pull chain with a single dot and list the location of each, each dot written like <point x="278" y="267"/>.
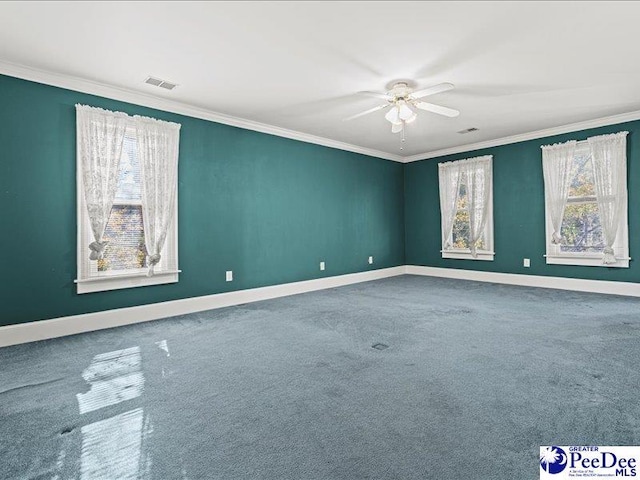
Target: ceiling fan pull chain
<point x="402" y="141"/>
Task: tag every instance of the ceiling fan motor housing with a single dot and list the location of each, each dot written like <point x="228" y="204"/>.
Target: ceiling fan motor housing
<point x="400" y="90"/>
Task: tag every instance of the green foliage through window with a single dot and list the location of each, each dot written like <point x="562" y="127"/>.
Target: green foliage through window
<point x="461" y="224"/>
<point x="581" y="230"/>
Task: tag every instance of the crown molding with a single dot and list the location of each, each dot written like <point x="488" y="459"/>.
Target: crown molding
<point x="523" y="137"/>
<point x="91" y="87"/>
<point x="82" y="85"/>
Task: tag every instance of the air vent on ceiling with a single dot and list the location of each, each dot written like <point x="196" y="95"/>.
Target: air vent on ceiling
<point x="468" y="130"/>
<point x="156" y="82"/>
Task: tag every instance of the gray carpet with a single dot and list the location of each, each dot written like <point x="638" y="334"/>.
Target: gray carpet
<point x="475" y="378"/>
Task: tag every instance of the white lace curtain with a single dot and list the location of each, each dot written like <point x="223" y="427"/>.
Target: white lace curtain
<point x="158" y="154"/>
<point x="449" y="180"/>
<point x="609" y="161"/>
<point x="101" y="135"/>
<point x="556" y="167"/>
<point x="609" y="158"/>
<point x="478" y="176"/>
<point x="99" y="143"/>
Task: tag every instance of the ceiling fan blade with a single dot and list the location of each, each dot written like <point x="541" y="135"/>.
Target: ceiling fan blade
<point x="367" y="112"/>
<point x="432" y="107"/>
<point x="441" y="87"/>
<point x="383" y="96"/>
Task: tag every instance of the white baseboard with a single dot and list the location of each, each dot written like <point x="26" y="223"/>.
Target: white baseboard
<point x="560" y="283"/>
<point x="59" y="327"/>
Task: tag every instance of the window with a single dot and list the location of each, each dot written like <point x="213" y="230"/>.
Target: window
<point x="581" y="226"/>
<point x="112" y="235"/>
<point x="466" y="205"/>
<point x="125" y="251"/>
<point x="582" y="238"/>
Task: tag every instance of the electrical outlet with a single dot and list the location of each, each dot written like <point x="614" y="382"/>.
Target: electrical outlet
<point x="321" y="265"/>
<point x="527" y="262"/>
<point x="229" y="276"/>
<point x="370" y="260"/>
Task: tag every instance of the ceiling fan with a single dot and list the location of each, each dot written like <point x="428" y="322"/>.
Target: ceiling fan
<point x="404" y="101"/>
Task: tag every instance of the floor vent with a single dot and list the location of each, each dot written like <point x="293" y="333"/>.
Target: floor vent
<point x="380" y="346"/>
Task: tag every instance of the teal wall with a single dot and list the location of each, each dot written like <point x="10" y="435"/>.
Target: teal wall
<point x="518" y="208"/>
<point x="266" y="207"/>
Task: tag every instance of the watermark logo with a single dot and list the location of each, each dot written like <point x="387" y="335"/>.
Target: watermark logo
<point x="553" y="459"/>
<point x="589" y="461"/>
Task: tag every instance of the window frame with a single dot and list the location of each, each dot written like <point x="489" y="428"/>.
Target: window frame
<point x="554" y="255"/>
<point x="486" y="254"/>
<point x="88" y="281"/>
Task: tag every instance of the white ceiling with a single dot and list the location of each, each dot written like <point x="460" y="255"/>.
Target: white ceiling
<point x="517" y="66"/>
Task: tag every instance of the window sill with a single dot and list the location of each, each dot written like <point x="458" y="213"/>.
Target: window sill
<point x="117" y="282"/>
<point x="586" y="261"/>
<point x="466" y="255"/>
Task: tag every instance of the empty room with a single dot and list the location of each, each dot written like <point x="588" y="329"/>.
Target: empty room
<point x="319" y="240"/>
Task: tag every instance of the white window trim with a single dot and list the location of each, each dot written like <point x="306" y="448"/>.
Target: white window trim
<point x="462" y="254"/>
<point x="465" y="253"/>
<point x="555" y="256"/>
<point x="87" y="283"/>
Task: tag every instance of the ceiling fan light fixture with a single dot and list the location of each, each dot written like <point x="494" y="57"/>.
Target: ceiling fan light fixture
<point x="405" y="112"/>
<point x="393" y="115"/>
<point x="403" y="105"/>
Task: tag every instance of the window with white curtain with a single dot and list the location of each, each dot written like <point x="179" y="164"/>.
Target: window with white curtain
<point x="466" y="208"/>
<point x="127" y="171"/>
<point x="586" y="202"/>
